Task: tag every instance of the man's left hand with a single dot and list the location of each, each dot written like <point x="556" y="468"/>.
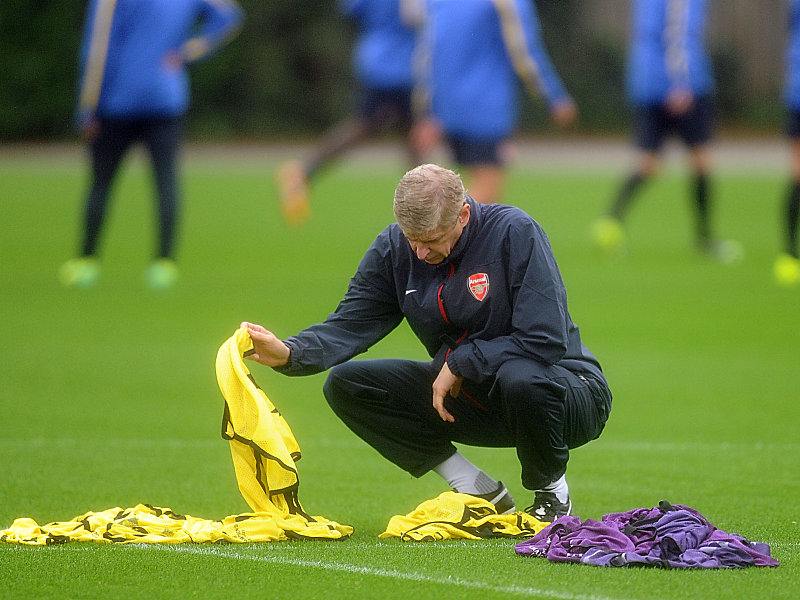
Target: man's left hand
<point x="446" y="383"/>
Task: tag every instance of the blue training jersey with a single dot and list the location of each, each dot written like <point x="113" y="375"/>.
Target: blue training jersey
<point x="475" y="53"/>
<point x="667" y="50"/>
<point x="791" y="94"/>
<point x="124" y="70"/>
<point x="384" y="48"/>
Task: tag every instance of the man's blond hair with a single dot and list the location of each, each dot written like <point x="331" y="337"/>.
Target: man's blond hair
<point x="428" y="198"/>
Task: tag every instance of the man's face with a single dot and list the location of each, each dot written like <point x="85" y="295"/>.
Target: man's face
<point x="437" y="245"/>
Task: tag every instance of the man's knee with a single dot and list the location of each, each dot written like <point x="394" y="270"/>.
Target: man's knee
<point x="363" y="381"/>
<point x="337" y="385"/>
<point x="523" y="379"/>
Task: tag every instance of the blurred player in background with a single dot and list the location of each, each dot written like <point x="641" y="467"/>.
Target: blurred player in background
<point x="787" y="265"/>
<point x="670" y="85"/>
<point x="472" y="56"/>
<point x="382" y="62"/>
<point x="134" y="87"/>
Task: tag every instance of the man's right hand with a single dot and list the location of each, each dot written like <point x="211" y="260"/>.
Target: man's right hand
<point x="564" y="113"/>
<point x="268" y="349"/>
<point x="89" y="129"/>
<point x="426" y="135"/>
<point x="679" y="100"/>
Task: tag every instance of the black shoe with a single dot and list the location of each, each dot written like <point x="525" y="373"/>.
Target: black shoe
<point x="501" y="498"/>
<point x="547" y="508"/>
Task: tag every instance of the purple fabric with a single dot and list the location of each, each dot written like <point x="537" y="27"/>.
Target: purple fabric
<point x="548" y="537"/>
<point x="759" y="551"/>
<point x="671" y="536"/>
<point x="678" y="531"/>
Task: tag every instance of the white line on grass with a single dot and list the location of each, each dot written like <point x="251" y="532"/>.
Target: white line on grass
<point x="389" y="573"/>
<point x="647" y="446"/>
<point x="132" y="443"/>
<point x="632" y="445"/>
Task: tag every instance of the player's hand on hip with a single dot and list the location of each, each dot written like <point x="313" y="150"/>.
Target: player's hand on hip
<point x="445" y="383"/>
<point x="268" y="349"/>
<point x="90" y="129"/>
<point x="564" y="112"/>
<point x="426" y="135"/>
<point x="679" y="100"/>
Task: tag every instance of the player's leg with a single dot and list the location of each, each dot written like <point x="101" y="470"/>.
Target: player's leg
<point x="787" y="265"/>
<point x="484" y="166"/>
<point x="696" y="128"/>
<point x="335" y="142"/>
<point x="106" y="150"/>
<point x="405" y="123"/>
<point x="649" y="132"/>
<point x="163" y="140"/>
<point x="549" y="410"/>
<point x="389" y="404"/>
<point x="647" y="164"/>
<point x="486" y="182"/>
<point x="700" y="162"/>
<point x="377" y="111"/>
<point x="793" y="203"/>
<point x="374" y="112"/>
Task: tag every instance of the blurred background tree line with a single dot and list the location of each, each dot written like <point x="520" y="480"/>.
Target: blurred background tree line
<point x="288" y="74"/>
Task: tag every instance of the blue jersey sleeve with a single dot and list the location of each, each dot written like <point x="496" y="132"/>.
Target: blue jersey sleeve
<point x="94" y="46"/>
<point x="523" y="38"/>
<point x="220" y="21"/>
<point x="792" y="77"/>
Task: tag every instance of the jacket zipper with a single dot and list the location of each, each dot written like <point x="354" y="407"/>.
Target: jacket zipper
<point x="439" y="295"/>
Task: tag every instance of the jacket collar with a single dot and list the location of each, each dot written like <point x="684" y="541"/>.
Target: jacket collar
<point x="468" y="234"/>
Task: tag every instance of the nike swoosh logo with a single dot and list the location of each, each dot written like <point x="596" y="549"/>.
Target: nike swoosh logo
<point x="410" y="292"/>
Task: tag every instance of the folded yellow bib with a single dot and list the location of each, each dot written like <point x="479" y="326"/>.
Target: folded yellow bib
<point x="460" y="516"/>
<point x="264" y="452"/>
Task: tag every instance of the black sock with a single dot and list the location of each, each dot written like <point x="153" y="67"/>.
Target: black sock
<point x="702" y="204"/>
<point x="792" y="217"/>
<point x="625" y="195"/>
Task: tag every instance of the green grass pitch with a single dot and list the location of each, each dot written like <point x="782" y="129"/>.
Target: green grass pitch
<point x="109" y="398"/>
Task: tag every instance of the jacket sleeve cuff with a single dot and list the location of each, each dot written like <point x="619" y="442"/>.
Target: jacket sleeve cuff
<point x="291" y="365"/>
<point x="452" y="364"/>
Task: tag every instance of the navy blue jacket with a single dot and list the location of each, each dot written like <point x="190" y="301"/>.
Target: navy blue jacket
<point x="499" y="295"/>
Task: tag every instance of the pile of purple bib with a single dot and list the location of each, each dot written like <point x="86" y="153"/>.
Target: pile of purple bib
<point x="670" y="536"/>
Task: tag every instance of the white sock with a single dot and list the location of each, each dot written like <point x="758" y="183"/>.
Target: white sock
<point x="464" y="477"/>
<point x="560" y="488"/>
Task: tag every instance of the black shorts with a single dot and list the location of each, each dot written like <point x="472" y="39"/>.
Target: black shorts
<point x="385" y="105"/>
<point x="793" y="124"/>
<point x="654" y="124"/>
<point x="476" y="152"/>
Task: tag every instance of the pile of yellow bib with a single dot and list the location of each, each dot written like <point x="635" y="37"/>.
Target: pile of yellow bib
<point x="264" y="452"/>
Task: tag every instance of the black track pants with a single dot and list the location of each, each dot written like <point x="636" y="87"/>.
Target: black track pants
<point x="162" y="138"/>
<point x="540" y="410"/>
